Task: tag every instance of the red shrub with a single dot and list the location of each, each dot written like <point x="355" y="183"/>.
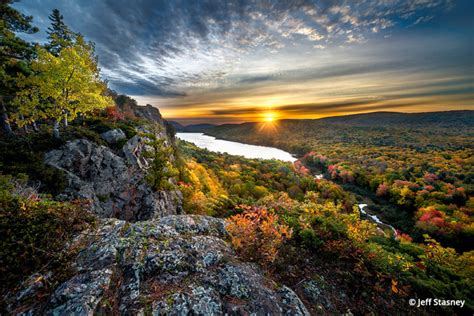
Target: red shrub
<point x="113" y="113"/>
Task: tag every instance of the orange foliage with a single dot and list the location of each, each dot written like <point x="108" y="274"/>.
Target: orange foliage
<point x="257" y="235"/>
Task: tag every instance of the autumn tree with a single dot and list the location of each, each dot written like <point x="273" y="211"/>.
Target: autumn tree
<point x="15" y="54"/>
<point x="63" y="86"/>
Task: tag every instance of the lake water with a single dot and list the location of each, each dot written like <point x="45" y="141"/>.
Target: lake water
<point x="235" y="148"/>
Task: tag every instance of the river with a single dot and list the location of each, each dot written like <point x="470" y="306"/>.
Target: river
<point x="375" y="219"/>
<point x="260" y="152"/>
<point x="234" y="148"/>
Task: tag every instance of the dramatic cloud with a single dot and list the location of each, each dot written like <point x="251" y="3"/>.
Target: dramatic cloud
<point x="195" y="57"/>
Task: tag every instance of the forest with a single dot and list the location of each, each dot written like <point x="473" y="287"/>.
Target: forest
<point x="424" y="169"/>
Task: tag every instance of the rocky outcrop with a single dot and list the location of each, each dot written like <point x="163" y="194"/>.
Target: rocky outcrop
<point x="149" y="113"/>
<point x="177" y="265"/>
<point x="113" y="136"/>
<point x="113" y="184"/>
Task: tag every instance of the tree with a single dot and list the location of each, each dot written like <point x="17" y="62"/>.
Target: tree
<point x="160" y="168"/>
<point x="59" y="34"/>
<point x="62" y="86"/>
<point x="15" y="54"/>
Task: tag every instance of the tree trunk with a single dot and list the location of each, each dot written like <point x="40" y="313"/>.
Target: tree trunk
<point x="25" y="127"/>
<point x="35" y="126"/>
<point x="56" y="129"/>
<point x="65" y="119"/>
<point x="4" y="119"/>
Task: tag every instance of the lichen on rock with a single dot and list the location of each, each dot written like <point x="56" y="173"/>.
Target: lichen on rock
<point x="176" y="265"/>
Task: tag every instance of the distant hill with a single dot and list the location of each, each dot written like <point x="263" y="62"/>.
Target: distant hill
<point x="178" y="127"/>
<point x="382" y="119"/>
<point x="191" y="128"/>
<point x="198" y="127"/>
<point x="465" y="118"/>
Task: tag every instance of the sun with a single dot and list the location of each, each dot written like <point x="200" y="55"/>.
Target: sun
<point x="269" y="122"/>
<point x="269" y="117"/>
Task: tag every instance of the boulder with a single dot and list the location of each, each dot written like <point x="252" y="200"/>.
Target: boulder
<point x="176" y="265"/>
<point x="314" y="291"/>
<point x="114" y="185"/>
<point x="113" y="136"/>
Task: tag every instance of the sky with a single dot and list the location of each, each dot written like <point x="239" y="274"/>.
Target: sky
<point x="235" y="61"/>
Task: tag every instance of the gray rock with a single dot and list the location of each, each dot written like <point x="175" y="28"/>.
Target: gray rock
<point x="114" y="186"/>
<point x="316" y="294"/>
<point x="133" y="151"/>
<point x="81" y="294"/>
<point x="148" y="112"/>
<point x="176" y="265"/>
<point x="113" y="136"/>
<point x="291" y="303"/>
<point x="200" y="301"/>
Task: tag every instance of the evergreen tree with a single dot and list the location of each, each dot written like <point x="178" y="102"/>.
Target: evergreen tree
<point x="59" y="34"/>
<point x="15" y="54"/>
<point x="160" y="169"/>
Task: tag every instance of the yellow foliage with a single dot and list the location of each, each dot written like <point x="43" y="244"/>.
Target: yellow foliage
<point x="361" y="231"/>
<point x="62" y="86"/>
<point x="202" y="190"/>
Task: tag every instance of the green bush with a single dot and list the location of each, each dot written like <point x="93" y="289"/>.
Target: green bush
<point x="75" y="132"/>
<point x="102" y="124"/>
<point x="310" y="239"/>
<point x="25" y="155"/>
<point x="34" y="233"/>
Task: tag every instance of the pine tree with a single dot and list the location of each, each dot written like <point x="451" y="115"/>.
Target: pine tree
<point x="59" y="34"/>
<point x="15" y="54"/>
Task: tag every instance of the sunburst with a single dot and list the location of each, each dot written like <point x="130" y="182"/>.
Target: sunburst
<point x="269" y="122"/>
<point x="269" y="117"/>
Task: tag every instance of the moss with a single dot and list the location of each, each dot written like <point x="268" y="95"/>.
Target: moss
<point x="103" y="197"/>
<point x="170" y="300"/>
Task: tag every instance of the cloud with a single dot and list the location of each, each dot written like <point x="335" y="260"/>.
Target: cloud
<point x="291" y="110"/>
<point x="224" y="58"/>
<point x="141" y="42"/>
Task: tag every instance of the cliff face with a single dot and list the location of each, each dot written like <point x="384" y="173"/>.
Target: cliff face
<point x="113" y="184"/>
<point x="113" y="180"/>
<point x="148" y="112"/>
<point x="177" y="265"/>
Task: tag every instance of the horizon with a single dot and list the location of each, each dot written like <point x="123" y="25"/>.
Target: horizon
<point x="199" y="122"/>
<point x="257" y="61"/>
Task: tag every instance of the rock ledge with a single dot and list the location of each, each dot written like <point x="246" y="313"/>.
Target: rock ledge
<point x="177" y="265"/>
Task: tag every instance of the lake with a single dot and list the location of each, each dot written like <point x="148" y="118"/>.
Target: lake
<point x="234" y="148"/>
